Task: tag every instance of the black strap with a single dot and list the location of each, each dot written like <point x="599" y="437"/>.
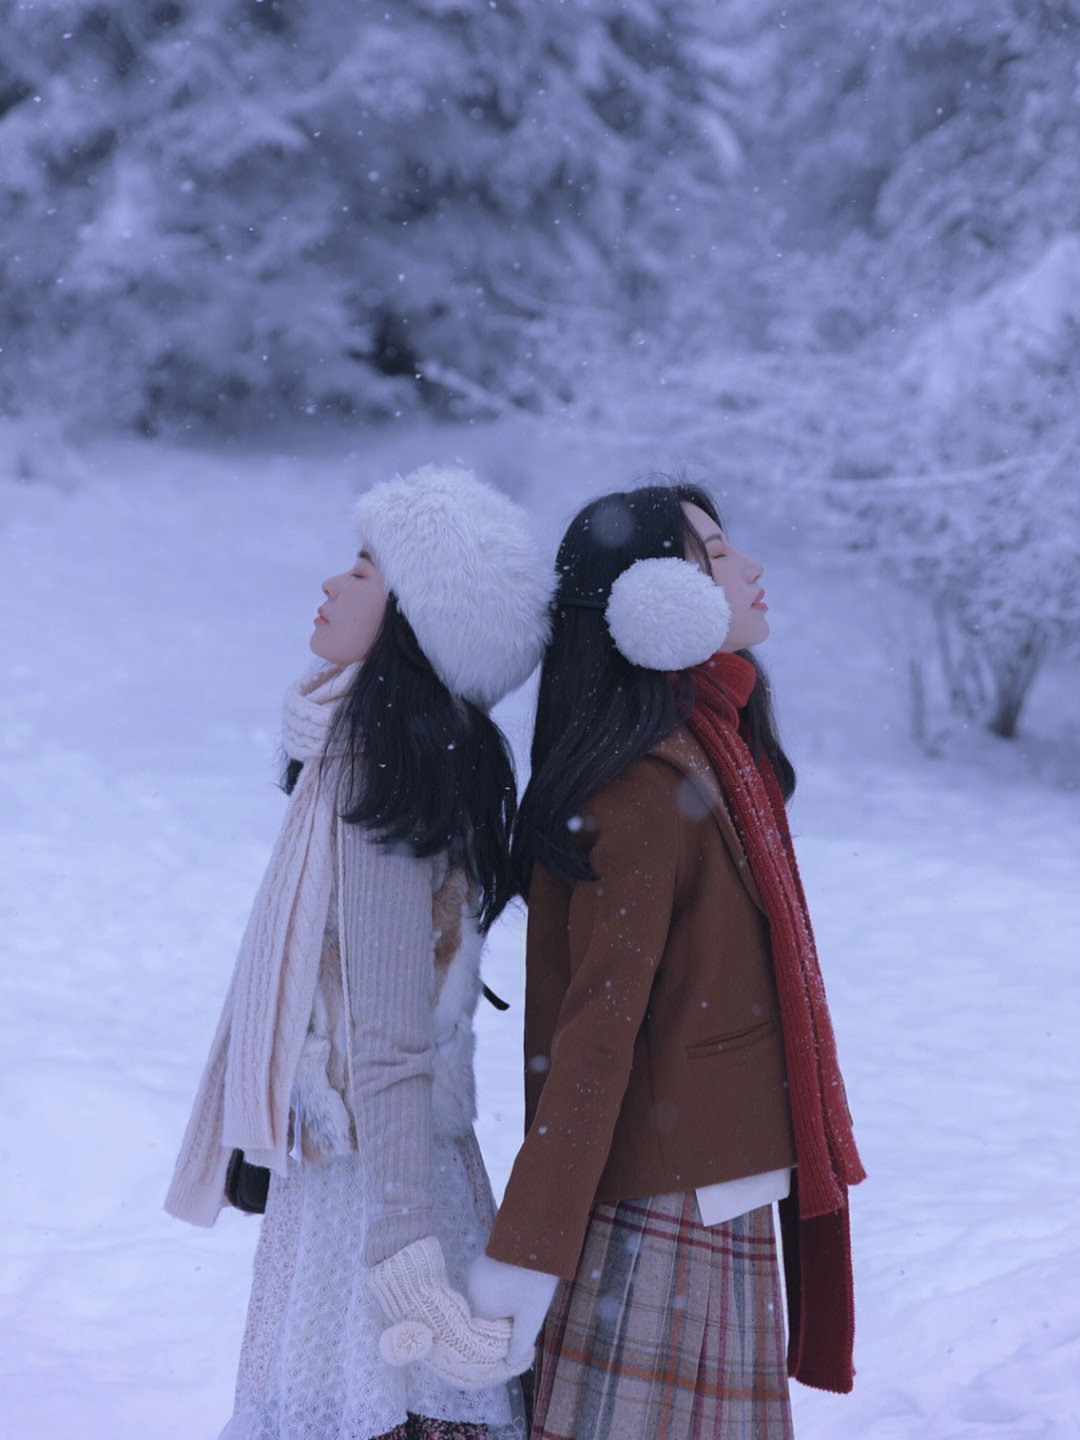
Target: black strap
<point x="494" y="999"/>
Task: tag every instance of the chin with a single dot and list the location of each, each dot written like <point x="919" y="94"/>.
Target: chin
<point x="757" y="636"/>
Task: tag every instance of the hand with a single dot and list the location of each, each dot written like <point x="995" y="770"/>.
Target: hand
<point x="496" y="1290"/>
<point x="433" y="1322"/>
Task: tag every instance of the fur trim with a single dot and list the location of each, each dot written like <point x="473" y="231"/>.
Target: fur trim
<point x="466" y="574"/>
<point x="453" y="1092"/>
<point x="320" y="1111"/>
<point x="667" y="614"/>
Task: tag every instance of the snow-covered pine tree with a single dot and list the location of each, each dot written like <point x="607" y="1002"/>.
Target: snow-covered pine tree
<point x="916" y="154"/>
<point x="258" y="207"/>
<point x="985" y="522"/>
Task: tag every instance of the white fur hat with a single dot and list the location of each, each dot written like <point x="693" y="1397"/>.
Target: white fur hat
<point x="667" y="614"/>
<point x="468" y="578"/>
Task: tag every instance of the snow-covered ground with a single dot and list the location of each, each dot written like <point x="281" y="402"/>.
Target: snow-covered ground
<point x="151" y="616"/>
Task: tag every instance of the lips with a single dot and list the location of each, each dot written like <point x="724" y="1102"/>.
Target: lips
<point x="759" y="603"/>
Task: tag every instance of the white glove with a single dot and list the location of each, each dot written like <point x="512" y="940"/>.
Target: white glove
<point x="433" y="1322"/>
<point x="496" y="1289"/>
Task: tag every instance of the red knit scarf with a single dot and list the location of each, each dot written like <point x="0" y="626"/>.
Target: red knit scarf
<point x="826" y="1158"/>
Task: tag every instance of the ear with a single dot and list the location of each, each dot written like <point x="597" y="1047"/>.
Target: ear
<point x="667" y="614"/>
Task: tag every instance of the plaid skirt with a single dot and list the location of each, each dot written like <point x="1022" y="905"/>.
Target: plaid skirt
<point x="670" y="1330"/>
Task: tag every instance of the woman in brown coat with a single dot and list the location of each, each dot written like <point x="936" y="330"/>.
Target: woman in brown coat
<point x="681" y="1073"/>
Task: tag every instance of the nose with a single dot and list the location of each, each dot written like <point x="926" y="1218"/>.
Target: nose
<point x="754" y="568"/>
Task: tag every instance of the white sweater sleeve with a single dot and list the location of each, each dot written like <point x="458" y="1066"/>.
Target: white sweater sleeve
<point x="387" y="950"/>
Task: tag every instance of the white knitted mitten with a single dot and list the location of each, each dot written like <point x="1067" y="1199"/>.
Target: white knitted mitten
<point x="433" y="1323"/>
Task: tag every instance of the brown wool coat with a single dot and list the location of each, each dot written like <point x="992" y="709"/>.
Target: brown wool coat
<point x="653" y="1050"/>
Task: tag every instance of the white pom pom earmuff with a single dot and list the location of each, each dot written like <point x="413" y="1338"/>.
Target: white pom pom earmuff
<point x="667" y="614"/>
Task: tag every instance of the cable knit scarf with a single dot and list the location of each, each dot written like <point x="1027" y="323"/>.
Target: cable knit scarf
<point x="816" y="1228"/>
<point x="244" y="1096"/>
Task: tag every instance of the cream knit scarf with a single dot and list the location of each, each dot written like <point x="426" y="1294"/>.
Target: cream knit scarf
<point x="244" y="1096"/>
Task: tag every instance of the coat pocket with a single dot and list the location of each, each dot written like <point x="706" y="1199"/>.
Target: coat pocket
<point x="733" y="1040"/>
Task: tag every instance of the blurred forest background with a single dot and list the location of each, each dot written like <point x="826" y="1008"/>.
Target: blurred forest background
<point x="834" y="247"/>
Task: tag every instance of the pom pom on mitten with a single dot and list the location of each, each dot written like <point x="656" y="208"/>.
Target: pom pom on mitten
<point x="433" y="1322"/>
<point x="496" y="1288"/>
<point x="406" y="1342"/>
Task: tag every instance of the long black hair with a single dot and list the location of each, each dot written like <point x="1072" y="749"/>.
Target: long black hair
<point x="422" y="767"/>
<point x="596" y="713"/>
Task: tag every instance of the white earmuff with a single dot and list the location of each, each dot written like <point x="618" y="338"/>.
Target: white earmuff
<point x="667" y="614"/>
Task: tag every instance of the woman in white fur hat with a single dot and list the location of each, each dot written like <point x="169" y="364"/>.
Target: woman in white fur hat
<point x="342" y="1067"/>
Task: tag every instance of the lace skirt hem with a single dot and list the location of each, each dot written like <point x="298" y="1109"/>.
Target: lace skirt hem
<point x="310" y="1367"/>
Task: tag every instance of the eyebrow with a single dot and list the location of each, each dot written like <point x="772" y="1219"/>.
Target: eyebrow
<point x="364" y="555"/>
<point x="708" y="539"/>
